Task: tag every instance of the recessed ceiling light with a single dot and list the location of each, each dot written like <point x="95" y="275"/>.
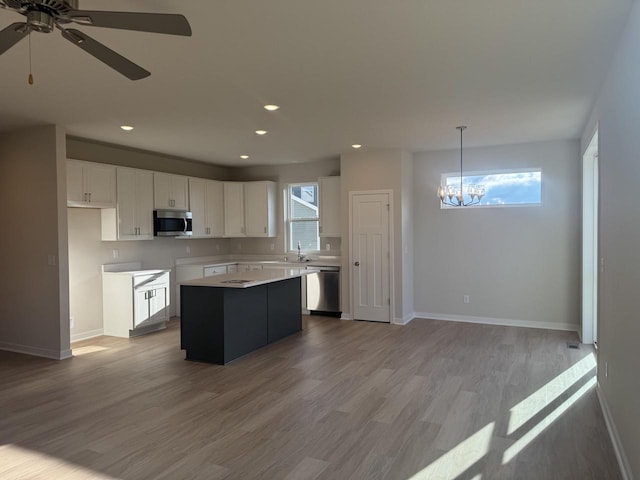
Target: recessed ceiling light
<point x="271" y="108"/>
<point x="356" y="145"/>
<point x="244" y="157"/>
<point x="261" y="132"/>
<point x="126" y="128"/>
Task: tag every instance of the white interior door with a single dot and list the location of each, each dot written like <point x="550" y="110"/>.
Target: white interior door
<point x="370" y="257"/>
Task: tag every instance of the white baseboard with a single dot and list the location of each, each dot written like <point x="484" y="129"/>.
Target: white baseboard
<point x="404" y="320"/>
<point x="346" y="316"/>
<point x="625" y="468"/>
<point x="86" y="335"/>
<point x="498" y="321"/>
<point x="36" y="351"/>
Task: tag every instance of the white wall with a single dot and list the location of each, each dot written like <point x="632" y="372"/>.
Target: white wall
<point x="520" y="263"/>
<point x="283" y="175"/>
<point x="34" y="317"/>
<point x="618" y="114"/>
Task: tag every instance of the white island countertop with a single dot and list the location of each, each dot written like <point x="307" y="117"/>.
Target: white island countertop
<point x="248" y="279"/>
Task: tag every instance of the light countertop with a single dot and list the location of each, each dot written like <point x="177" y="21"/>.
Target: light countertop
<point x="249" y="279"/>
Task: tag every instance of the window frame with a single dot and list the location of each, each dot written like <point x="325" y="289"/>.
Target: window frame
<point x="444" y="176"/>
<point x="288" y="221"/>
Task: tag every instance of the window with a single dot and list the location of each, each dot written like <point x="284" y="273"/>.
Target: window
<point x="302" y="216"/>
<point x="501" y="188"/>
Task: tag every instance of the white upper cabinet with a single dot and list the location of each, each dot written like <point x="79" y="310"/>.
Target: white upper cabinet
<point x="329" y="207"/>
<point x="207" y="205"/>
<point x="260" y="209"/>
<point x="170" y="192"/>
<point x="133" y="217"/>
<point x="233" y="209"/>
<point x="90" y="184"/>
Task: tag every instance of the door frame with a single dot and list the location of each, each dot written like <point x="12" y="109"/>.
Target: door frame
<point x="590" y="270"/>
<point x="392" y="302"/>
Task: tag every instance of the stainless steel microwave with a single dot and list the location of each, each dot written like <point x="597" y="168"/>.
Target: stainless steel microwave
<point x="172" y="223"/>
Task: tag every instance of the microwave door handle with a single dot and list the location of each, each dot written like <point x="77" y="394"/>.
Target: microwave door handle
<point x="185" y="225"/>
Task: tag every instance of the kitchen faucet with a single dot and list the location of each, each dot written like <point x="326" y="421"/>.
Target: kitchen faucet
<point x="300" y="255"/>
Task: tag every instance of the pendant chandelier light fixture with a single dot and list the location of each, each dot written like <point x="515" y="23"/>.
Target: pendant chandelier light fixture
<point x="454" y="195"/>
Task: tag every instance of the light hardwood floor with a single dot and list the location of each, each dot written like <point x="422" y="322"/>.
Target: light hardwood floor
<point x="341" y="400"/>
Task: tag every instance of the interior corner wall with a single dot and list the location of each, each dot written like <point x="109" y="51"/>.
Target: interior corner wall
<point x="617" y="114"/>
<point x="373" y="170"/>
<point x="519" y="265"/>
<point x="33" y="274"/>
<point x="407" y="238"/>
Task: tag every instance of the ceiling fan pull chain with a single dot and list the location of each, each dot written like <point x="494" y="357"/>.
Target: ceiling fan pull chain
<point x="30" y="75"/>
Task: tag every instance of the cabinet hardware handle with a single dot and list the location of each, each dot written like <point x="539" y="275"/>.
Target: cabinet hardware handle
<point x="357" y="264"/>
<point x="89" y="197"/>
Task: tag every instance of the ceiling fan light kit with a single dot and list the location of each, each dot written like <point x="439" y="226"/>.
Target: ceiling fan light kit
<point x="44" y="16"/>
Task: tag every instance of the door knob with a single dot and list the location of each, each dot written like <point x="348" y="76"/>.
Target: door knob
<point x="357" y="264"/>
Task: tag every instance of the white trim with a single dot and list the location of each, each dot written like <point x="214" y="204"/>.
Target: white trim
<point x="36" y="351"/>
<point x="571" y="327"/>
<point x="346" y="316"/>
<point x="87" y="335"/>
<point x="623" y="462"/>
<point x="404" y="320"/>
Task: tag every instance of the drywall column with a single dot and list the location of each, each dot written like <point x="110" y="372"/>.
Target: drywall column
<point x="34" y="318"/>
<point x="385" y="169"/>
<point x="617" y="113"/>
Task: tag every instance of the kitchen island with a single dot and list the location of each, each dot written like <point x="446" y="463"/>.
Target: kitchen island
<point x="227" y="316"/>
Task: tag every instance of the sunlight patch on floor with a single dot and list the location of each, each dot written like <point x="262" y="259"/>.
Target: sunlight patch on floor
<point x="460" y="458"/>
<point x="36" y="465"/>
<point x="511" y="452"/>
<point x="537" y="401"/>
<point x="88" y="349"/>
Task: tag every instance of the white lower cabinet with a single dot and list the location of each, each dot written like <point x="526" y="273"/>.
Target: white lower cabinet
<point x="134" y="303"/>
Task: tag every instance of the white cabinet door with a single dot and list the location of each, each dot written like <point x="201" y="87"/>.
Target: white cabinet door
<point x="144" y="204"/>
<point x="140" y="307"/>
<point x="198" y="207"/>
<point x="329" y="207"/>
<point x="206" y="200"/>
<point x="90" y="184"/>
<point x="158" y="304"/>
<point x="75" y="183"/>
<point x="170" y="192"/>
<point x="214" y="208"/>
<point x="133" y="217"/>
<point x="233" y="209"/>
<point x="100" y="182"/>
<point x="259" y="200"/>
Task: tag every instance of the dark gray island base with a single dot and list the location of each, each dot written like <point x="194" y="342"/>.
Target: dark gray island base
<point x="221" y="323"/>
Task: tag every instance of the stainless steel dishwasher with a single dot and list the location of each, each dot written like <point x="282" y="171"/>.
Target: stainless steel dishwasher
<point x="323" y="290"/>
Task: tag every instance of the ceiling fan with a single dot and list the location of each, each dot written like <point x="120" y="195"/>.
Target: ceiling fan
<point x="45" y="15"/>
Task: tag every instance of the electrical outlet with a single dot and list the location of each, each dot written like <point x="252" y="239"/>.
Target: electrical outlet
<point x="71" y="322"/>
<point x="51" y="260"/>
<point x="188" y="249"/>
<point x="465" y="299"/>
<point x="115" y="253"/>
<point x="327" y="247"/>
<point x="272" y="247"/>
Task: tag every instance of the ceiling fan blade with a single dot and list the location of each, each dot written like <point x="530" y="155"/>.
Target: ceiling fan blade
<point x="171" y="24"/>
<point x="12" y="35"/>
<point x="105" y="54"/>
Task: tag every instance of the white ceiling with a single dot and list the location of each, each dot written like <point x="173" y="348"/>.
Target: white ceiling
<point x="382" y="73"/>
